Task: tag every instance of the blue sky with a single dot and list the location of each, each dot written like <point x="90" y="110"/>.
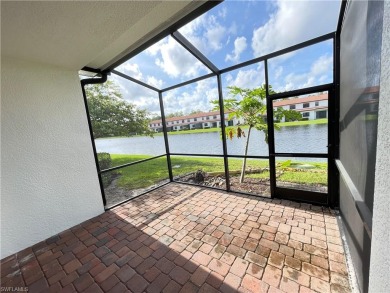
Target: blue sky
<point x="230" y="33"/>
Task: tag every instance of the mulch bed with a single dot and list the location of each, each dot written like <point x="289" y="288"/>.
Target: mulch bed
<point x="250" y="185"/>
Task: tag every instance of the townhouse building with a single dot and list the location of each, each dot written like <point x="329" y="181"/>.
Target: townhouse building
<point x="311" y="107"/>
<point x="202" y="120"/>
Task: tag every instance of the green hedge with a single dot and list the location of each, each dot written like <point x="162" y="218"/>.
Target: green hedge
<point x="105" y="162"/>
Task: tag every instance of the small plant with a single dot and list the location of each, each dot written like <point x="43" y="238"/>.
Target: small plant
<point x="285" y="164"/>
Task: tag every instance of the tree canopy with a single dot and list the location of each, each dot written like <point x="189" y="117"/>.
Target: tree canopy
<point x="175" y="114"/>
<point x="111" y="115"/>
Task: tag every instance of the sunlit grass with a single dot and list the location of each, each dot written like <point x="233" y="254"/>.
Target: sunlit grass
<point x="306" y="177"/>
<point x="154" y="171"/>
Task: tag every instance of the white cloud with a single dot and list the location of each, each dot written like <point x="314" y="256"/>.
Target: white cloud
<point x="131" y="69"/>
<point x="142" y="97"/>
<point x="214" y="36"/>
<point x="239" y="47"/>
<point x="175" y="61"/>
<point x="207" y="33"/>
<point x="222" y="12"/>
<point x="154" y="49"/>
<point x="322" y="65"/>
<point x="194" y="97"/>
<point x="247" y="78"/>
<point x="233" y="28"/>
<point x="153" y="81"/>
<point x="278" y="72"/>
<point x="294" y="22"/>
<point x="319" y="73"/>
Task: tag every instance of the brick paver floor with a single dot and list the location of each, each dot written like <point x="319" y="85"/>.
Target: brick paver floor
<point x="181" y="238"/>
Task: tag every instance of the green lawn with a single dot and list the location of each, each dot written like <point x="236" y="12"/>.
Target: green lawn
<point x="153" y="171"/>
<point x="308" y="122"/>
<point x="304" y="177"/>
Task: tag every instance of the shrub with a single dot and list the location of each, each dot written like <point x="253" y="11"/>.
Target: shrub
<point x="105" y="163"/>
<point x="104" y="160"/>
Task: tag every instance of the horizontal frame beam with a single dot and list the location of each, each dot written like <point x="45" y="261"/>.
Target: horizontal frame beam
<point x="135" y="80"/>
<point x="301" y="155"/>
<point x="297" y="195"/>
<point x="134" y="197"/>
<point x="219" y="156"/>
<point x="188" y="82"/>
<point x="248" y="157"/>
<point x="220" y="189"/>
<point x="196" y="155"/>
<point x="304" y="91"/>
<point x="130" y="164"/>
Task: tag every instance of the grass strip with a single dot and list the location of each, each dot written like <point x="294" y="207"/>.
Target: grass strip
<point x="151" y="172"/>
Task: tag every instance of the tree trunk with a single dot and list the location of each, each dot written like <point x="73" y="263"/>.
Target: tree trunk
<point x="246" y="152"/>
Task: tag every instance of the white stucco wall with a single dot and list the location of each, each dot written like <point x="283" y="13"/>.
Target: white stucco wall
<point x="380" y="259"/>
<point x="49" y="180"/>
<point x="322" y="103"/>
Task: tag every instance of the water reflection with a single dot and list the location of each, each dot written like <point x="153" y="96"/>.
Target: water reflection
<point x="292" y="139"/>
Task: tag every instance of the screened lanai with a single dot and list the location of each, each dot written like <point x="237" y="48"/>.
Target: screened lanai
<point x="234" y="146"/>
<point x="183" y="81"/>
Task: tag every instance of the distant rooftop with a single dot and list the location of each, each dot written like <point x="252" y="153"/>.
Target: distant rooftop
<point x="307" y="99"/>
<point x="191" y="116"/>
<point x="285" y="102"/>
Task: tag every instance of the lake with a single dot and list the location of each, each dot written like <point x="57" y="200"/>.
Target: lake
<point x="291" y="139"/>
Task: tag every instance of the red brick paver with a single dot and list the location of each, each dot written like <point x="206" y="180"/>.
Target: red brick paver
<point x="181" y="238"/>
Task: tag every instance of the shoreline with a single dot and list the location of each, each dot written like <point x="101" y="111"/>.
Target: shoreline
<point x="216" y="129"/>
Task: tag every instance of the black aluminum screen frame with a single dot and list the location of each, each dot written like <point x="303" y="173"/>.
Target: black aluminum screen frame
<point x="329" y="199"/>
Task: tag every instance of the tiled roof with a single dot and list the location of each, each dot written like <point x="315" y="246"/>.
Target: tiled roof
<point x="294" y="101"/>
<point x="284" y="102"/>
<point x="197" y="115"/>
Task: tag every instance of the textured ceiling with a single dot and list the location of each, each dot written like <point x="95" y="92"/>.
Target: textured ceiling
<point x="77" y="34"/>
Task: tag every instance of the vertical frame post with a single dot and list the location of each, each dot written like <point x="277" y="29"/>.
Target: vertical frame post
<point x="271" y="136"/>
<point x="223" y="130"/>
<point x="165" y="136"/>
<point x="84" y="82"/>
<point x="333" y="127"/>
<point x="332" y="169"/>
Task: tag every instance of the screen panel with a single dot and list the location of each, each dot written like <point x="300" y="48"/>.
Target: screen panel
<point x="306" y="67"/>
<point x="164" y="64"/>
<point x="121" y="113"/>
<point x="193" y="121"/>
<point x="127" y="182"/>
<point x="203" y="171"/>
<point x="237" y="31"/>
<point x="239" y="134"/>
<point x="304" y="126"/>
<point x="308" y="174"/>
<point x="360" y="66"/>
<point x="254" y="180"/>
